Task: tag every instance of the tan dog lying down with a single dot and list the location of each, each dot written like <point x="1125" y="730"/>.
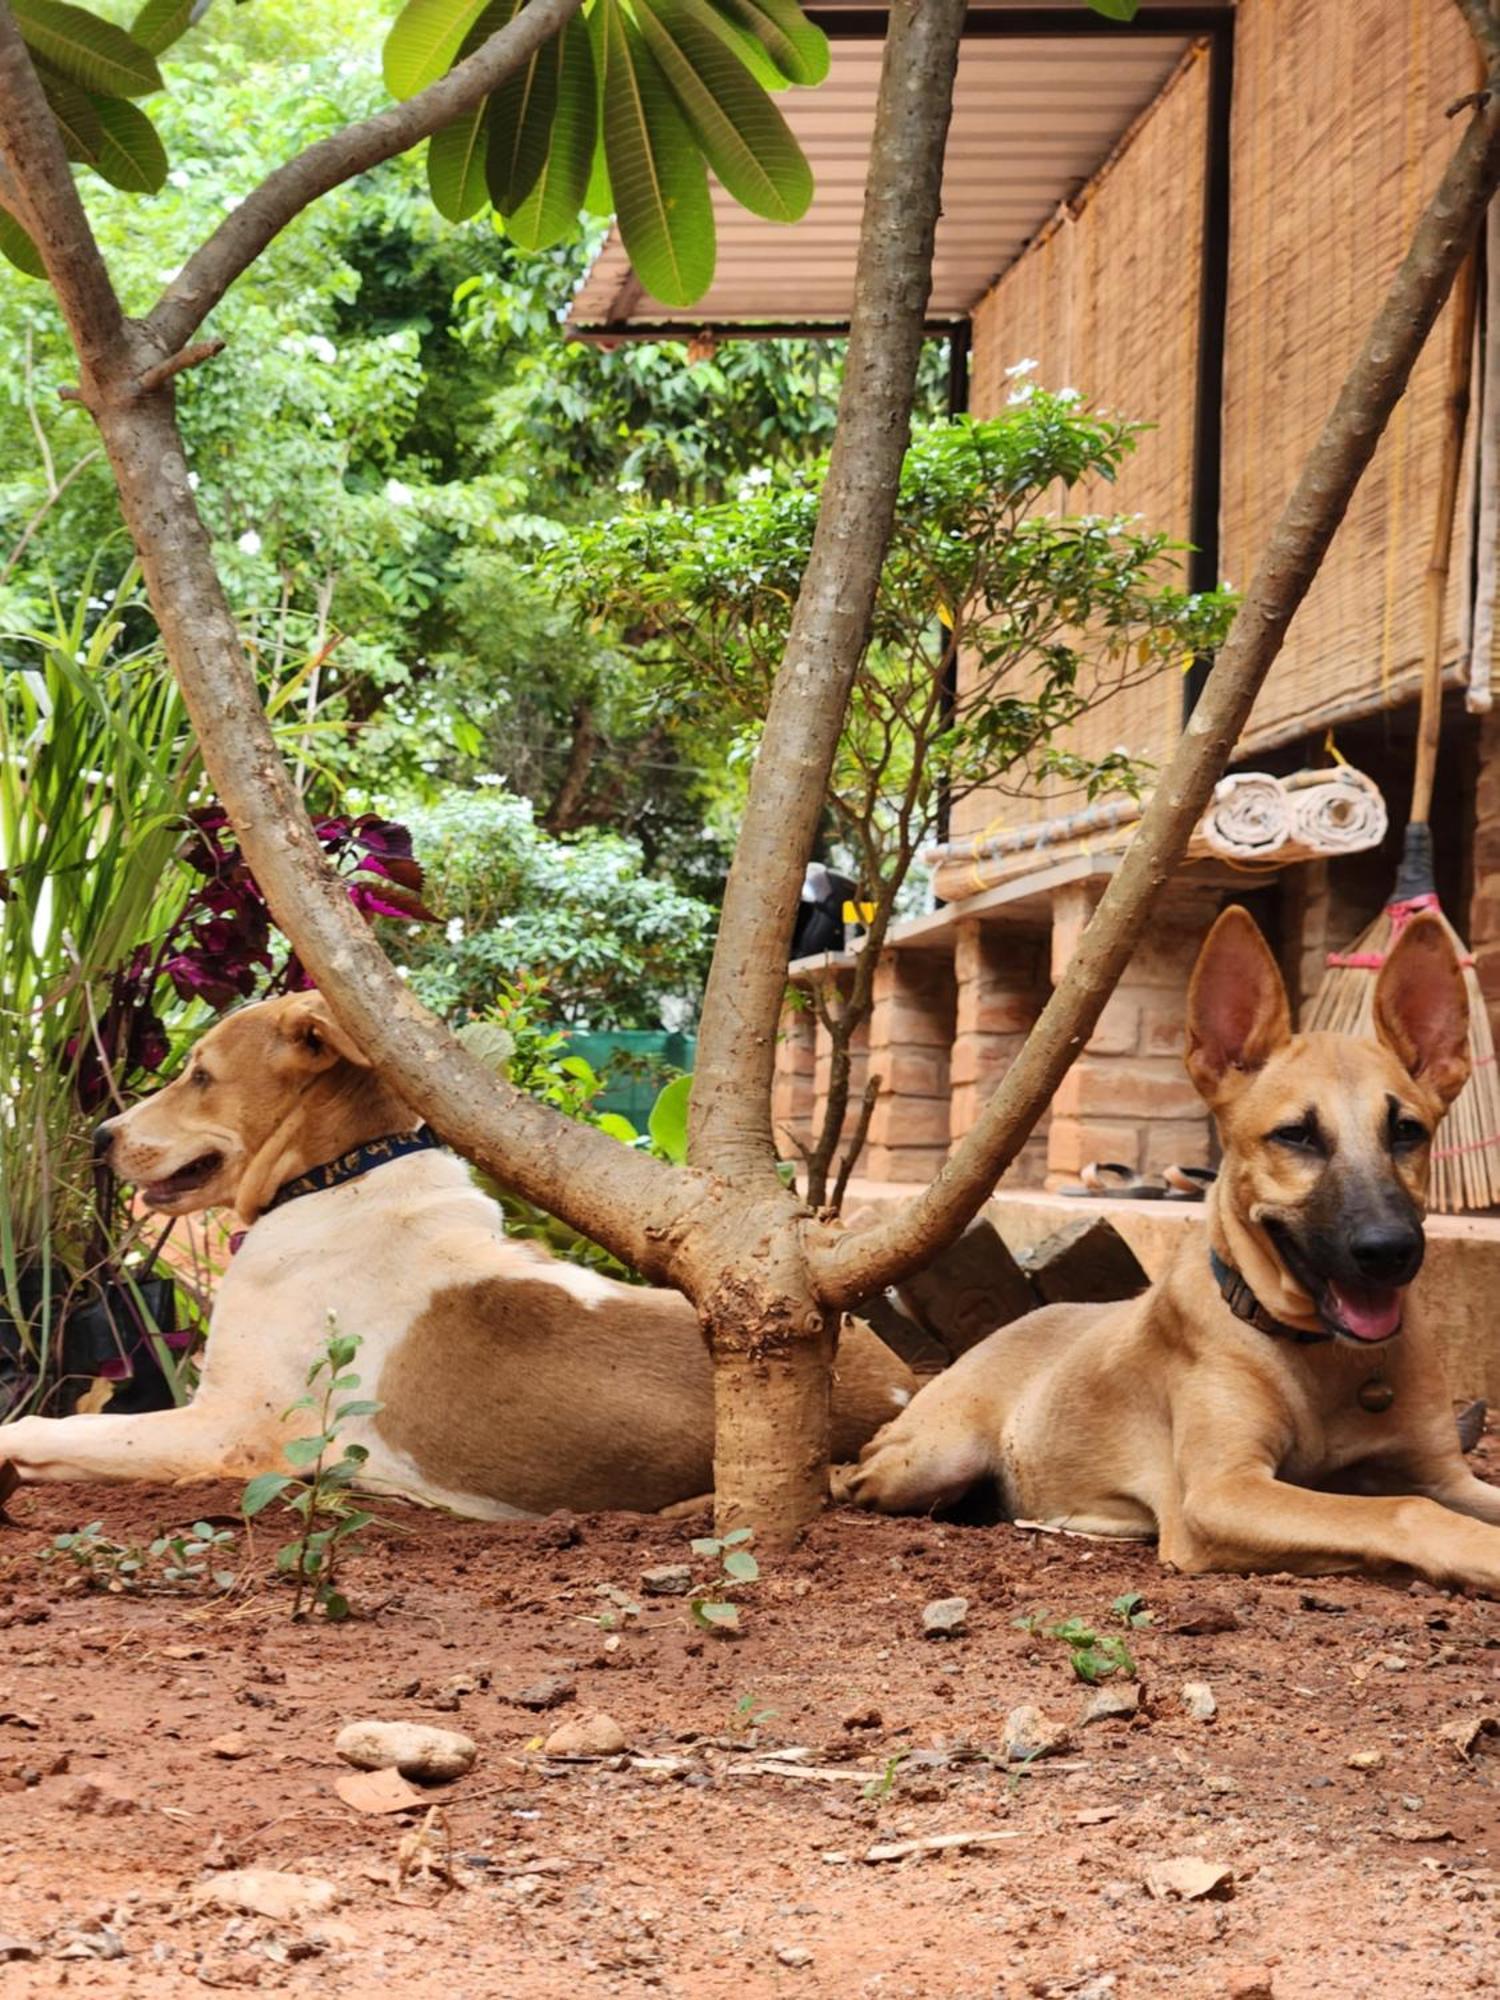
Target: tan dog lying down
<point x="510" y="1383"/>
<point x="1285" y="1406"/>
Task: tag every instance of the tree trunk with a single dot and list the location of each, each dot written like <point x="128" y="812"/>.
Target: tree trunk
<point x="567" y="801"/>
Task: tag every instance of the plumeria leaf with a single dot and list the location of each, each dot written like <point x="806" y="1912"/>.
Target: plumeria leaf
<point x="797" y="48"/>
<point x="550" y="211"/>
<point x="18" y="249"/>
<point x="92" y="52"/>
<point x="745" y="138"/>
<point x="425" y="39"/>
<point x="131" y="155"/>
<point x="162" y="22"/>
<point x="656" y="171"/>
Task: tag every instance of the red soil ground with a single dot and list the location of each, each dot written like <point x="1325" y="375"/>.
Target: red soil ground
<point x="675" y="1870"/>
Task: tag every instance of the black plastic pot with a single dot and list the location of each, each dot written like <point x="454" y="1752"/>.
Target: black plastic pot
<point x="104" y="1333"/>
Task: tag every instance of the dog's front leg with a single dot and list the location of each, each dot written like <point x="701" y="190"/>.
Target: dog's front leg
<point x="1245" y="1518"/>
<point x="163" y="1445"/>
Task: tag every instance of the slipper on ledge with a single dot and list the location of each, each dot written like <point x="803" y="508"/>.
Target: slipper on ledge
<point x="1188" y="1183"/>
<point x="1107" y="1178"/>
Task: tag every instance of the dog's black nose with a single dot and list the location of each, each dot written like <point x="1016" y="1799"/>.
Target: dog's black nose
<point x="104" y="1138"/>
<point x="1386" y="1256"/>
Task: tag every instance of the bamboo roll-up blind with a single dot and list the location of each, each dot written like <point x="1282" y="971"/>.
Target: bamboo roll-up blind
<point x="1106" y="301"/>
<point x="1338" y="137"/>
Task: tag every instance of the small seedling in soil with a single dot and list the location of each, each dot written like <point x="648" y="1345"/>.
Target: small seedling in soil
<point x="748" y="1716"/>
<point x="623" y="1606"/>
<point x="1131" y="1609"/>
<point x="885" y="1784"/>
<point x="1093" y="1655"/>
<point x="330" y="1519"/>
<point x="708" y="1602"/>
<point x="180" y="1563"/>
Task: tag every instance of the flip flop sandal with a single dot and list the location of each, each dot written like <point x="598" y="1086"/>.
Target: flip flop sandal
<point x="1108" y="1179"/>
<point x="1188" y="1183"/>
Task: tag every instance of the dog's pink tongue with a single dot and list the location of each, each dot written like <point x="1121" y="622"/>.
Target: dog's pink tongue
<point x="1369" y="1312"/>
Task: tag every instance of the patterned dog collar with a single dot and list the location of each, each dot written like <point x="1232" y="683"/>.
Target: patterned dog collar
<point x="349" y="1166"/>
<point x="1243" y="1303"/>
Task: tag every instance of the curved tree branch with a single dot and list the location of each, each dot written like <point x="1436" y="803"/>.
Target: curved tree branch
<point x="849" y="1268"/>
<point x="622" y="1198"/>
<point x="731" y="1117"/>
<point x="282" y="195"/>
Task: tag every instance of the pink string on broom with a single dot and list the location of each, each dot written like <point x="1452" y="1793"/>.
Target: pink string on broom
<point x="1400" y="915"/>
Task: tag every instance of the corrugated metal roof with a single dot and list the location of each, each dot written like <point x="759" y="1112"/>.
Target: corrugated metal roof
<point x="1034" y="116"/>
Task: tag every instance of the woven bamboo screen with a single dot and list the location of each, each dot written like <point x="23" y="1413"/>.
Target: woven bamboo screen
<point x="1106" y="301"/>
<point x="1338" y="137"/>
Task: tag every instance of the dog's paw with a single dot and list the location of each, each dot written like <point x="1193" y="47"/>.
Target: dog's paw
<point x="10" y="1479"/>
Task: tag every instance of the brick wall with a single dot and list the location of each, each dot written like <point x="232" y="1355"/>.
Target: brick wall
<point x="1128" y="1097"/>
<point x="792" y="1088"/>
<point x="1002" y="985"/>
<point x="911" y="1036"/>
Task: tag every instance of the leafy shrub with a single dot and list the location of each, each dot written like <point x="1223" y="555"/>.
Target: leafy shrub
<point x="608" y="942"/>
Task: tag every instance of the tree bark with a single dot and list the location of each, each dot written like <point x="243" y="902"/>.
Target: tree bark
<point x="730" y="1128"/>
<point x="563" y="814"/>
<point x="852" y="1267"/>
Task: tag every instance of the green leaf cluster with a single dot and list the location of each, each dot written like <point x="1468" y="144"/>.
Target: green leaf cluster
<point x="92" y="71"/>
<point x="629" y="108"/>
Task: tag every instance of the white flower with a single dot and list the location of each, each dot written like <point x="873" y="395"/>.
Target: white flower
<point x="455" y="931"/>
<point x="320" y="345"/>
<point x="193" y="481"/>
<point x="1027" y="366"/>
<point x="249" y="543"/>
<point x="180" y="178"/>
<point x="1022" y="393"/>
<point x="398" y="493"/>
<point x="1070" y="395"/>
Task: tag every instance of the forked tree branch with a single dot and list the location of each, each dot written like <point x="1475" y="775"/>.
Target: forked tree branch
<point x="622" y="1198"/>
<point x="851" y="1267"/>
<point x="285" y="193"/>
<point x="730" y="1129"/>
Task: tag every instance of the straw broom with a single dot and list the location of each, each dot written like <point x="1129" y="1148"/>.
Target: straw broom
<point x="1466" y="1166"/>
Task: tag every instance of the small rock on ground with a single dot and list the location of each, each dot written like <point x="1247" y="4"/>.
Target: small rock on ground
<point x="415" y="1749"/>
<point x="1111" y="1703"/>
<point x="592" y="1734"/>
<point x="794" y="1954"/>
<point x="1198" y="1701"/>
<point x="667" y="1580"/>
<point x="945" y="1616"/>
<point x="1029" y="1733"/>
<point x="268" y="1892"/>
<point x="230" y="1746"/>
<point x="551" y="1691"/>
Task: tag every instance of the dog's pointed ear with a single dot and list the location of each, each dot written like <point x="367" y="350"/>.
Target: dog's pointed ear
<point x="1422" y="1007"/>
<point x="316" y="1038"/>
<point x="1237" y="1012"/>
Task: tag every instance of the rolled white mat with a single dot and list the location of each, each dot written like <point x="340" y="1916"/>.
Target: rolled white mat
<point x="1336" y="812"/>
<point x="1248" y="818"/>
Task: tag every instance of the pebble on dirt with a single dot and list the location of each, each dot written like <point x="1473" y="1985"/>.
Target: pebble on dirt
<point x="945" y="1617"/>
<point x="230" y="1746"/>
<point x="1111" y="1704"/>
<point x="269" y="1892"/>
<point x="1198" y="1701"/>
<point x="1029" y="1733"/>
<point x="1185" y="1878"/>
<point x="1365" y="1760"/>
<point x="667" y="1580"/>
<point x="592" y="1734"/>
<point x="551" y="1691"/>
<point x="415" y="1749"/>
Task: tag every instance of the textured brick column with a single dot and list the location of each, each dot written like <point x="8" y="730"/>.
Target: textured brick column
<point x="911" y="1033"/>
<point x="792" y="1089"/>
<point x="1484" y="904"/>
<point x="1128" y="1097"/>
<point x="1001" y="981"/>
